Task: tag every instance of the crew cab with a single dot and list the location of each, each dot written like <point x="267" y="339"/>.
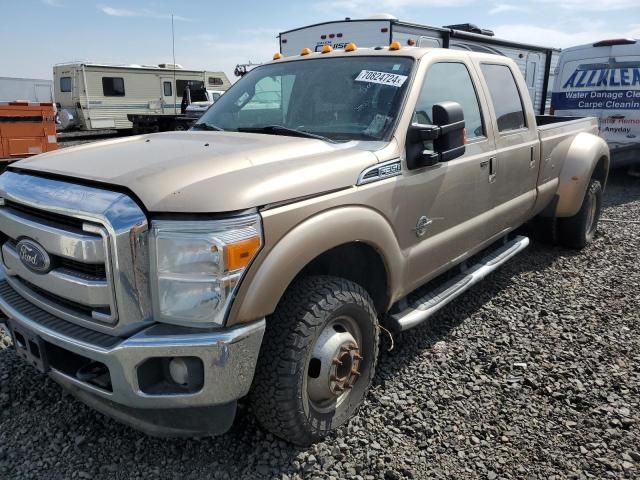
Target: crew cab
<point x="161" y="278"/>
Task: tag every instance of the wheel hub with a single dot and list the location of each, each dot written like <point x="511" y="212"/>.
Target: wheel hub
<point x="345" y="369"/>
<point x="334" y="367"/>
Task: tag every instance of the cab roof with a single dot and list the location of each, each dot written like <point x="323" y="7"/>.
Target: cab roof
<point x="405" y="51"/>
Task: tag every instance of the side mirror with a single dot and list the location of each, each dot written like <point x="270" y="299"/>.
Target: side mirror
<point x="446" y="135"/>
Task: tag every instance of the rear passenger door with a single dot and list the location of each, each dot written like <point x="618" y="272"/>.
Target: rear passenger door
<point x="513" y="172"/>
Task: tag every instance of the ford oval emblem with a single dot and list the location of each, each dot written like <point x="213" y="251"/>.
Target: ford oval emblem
<point x="33" y="256"/>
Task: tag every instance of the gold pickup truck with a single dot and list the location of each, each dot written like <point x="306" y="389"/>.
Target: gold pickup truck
<point x="160" y="278"/>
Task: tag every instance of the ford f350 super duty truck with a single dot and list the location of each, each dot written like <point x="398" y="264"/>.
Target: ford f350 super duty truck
<point x="160" y="278"/>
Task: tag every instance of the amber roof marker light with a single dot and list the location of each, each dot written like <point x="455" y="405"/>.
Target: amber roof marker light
<point x="395" y="46"/>
<point x="305" y="51"/>
<point x="277" y="56"/>
<point x="350" y="47"/>
<point x="327" y="49"/>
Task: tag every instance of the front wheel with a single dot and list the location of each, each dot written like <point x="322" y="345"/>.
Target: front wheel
<point x="579" y="231"/>
<point x="318" y="358"/>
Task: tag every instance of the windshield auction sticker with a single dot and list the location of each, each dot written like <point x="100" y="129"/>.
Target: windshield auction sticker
<point x="383" y="78"/>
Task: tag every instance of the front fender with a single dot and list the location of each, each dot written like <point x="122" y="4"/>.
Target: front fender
<point x="583" y="155"/>
<point x="276" y="266"/>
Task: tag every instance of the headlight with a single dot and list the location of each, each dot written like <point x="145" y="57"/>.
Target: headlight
<point x="196" y="266"/>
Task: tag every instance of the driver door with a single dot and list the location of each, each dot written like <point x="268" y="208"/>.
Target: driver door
<point x="451" y="198"/>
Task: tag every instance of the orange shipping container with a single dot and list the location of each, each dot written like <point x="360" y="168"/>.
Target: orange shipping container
<point x="26" y="129"/>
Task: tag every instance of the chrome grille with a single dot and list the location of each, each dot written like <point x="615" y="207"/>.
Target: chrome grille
<point x="97" y="241"/>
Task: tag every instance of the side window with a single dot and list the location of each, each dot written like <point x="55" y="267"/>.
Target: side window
<point x="166" y="86"/>
<point x="450" y="82"/>
<point x="215" y="81"/>
<point x="505" y="97"/>
<point x="194" y="85"/>
<point x="113" y="86"/>
<point x="65" y="84"/>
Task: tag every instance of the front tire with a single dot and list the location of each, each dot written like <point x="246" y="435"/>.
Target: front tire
<point x="317" y="360"/>
<point x="579" y="231"/>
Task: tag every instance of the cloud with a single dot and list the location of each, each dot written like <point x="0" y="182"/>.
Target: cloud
<point x="366" y="7"/>
<point x="52" y="3"/>
<point x="562" y="38"/>
<point x="506" y="7"/>
<point x="593" y="6"/>
<point x="143" y="13"/>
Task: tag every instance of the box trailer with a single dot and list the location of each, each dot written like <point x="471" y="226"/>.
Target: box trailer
<point x="92" y="96"/>
<point x="536" y="63"/>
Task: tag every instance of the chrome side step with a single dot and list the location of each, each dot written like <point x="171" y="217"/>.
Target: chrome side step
<point x="431" y="302"/>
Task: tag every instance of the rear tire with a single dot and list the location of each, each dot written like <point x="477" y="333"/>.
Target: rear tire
<point x="323" y="331"/>
<point x="579" y="231"/>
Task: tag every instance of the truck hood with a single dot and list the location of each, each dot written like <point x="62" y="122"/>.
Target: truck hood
<point x="211" y="171"/>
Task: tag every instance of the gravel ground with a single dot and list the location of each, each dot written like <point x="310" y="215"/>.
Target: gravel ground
<point x="535" y="374"/>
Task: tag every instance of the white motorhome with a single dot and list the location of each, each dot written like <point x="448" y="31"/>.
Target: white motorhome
<point x="535" y="62"/>
<point x="30" y="89"/>
<point x="92" y="96"/>
<point x="602" y="80"/>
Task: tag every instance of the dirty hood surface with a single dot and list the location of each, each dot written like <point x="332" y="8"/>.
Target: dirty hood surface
<point x="211" y="171"/>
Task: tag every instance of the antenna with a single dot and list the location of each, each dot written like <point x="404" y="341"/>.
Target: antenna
<point x="173" y="49"/>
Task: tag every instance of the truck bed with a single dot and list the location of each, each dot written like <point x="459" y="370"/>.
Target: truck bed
<point x="550" y="126"/>
<point x="554" y="131"/>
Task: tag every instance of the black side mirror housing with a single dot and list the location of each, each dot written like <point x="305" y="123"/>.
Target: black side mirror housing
<point x="447" y="134"/>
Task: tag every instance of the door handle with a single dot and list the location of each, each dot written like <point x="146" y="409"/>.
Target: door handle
<point x="532" y="158"/>
<point x="493" y="167"/>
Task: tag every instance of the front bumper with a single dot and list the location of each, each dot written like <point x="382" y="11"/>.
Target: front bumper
<point x="229" y="357"/>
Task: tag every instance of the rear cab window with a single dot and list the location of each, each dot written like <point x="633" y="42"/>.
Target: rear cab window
<point x="505" y="97"/>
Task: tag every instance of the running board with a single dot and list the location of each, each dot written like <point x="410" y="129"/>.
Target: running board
<point x="423" y="308"/>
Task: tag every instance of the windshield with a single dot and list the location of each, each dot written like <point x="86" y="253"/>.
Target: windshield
<point x="340" y="98"/>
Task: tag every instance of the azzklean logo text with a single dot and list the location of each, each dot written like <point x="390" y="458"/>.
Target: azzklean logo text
<point x="616" y="77"/>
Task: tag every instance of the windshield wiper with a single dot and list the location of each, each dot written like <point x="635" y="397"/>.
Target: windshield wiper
<point x="207" y="126"/>
<point x="281" y="129"/>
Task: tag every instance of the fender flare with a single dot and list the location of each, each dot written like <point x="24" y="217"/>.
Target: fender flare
<point x="275" y="268"/>
<point x="581" y="160"/>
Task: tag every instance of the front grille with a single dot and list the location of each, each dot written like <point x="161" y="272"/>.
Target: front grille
<point x="85" y="232"/>
<point x="63" y="302"/>
<point x="39" y="316"/>
<point x="47" y="217"/>
<point x="88" y="271"/>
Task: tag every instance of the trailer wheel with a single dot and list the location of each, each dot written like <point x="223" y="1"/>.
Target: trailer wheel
<point x="579" y="231"/>
<point x="318" y="358"/>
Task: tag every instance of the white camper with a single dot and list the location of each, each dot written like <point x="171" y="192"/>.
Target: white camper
<point x="93" y="96"/>
<point x="602" y="80"/>
<point x="30" y="89"/>
<point x="535" y="62"/>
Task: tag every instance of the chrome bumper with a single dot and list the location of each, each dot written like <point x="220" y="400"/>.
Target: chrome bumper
<point x="229" y="355"/>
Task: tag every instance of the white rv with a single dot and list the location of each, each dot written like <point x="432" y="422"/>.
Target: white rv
<point x="602" y="80"/>
<point x="93" y="96"/>
<point x="29" y="89"/>
<point x="535" y="62"/>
